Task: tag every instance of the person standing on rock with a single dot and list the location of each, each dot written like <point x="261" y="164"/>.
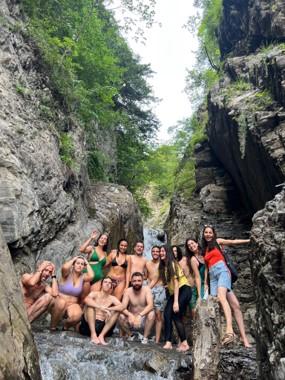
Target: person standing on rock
<point x="180" y="294"/>
<point x="70" y="290"/>
<point x="120" y="268"/>
<point x="138" y="261"/>
<point x="183" y="263"/>
<point x="38" y="296"/>
<point x="138" y="311"/>
<point x="198" y="268"/>
<point x="157" y="289"/>
<point x="95" y="247"/>
<point x="100" y="314"/>
<point x="220" y="280"/>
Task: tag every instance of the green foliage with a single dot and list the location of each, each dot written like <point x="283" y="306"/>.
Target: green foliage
<point x="66" y="149"/>
<point x="95" y="76"/>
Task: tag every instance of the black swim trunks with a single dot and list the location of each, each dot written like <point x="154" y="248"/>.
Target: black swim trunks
<point x="84" y="327"/>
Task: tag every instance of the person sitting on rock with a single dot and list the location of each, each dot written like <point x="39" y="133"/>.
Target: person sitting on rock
<point x="38" y="296"/>
<point x="157" y="289"/>
<point x="138" y="311"/>
<point x="220" y="281"/>
<point x="100" y="314"/>
<point x="119" y="272"/>
<point x="138" y="261"/>
<point x="70" y="289"/>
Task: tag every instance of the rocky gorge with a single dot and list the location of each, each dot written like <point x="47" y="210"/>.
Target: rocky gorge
<point x="47" y="209"/>
<point x="240" y="170"/>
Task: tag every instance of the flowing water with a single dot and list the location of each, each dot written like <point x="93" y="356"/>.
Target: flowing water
<point x="151" y="239"/>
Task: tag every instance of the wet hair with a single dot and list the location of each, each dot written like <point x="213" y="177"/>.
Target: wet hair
<point x="106" y="245"/>
<point x="137" y="274"/>
<point x="168" y="268"/>
<point x="209" y="245"/>
<point x="179" y="252"/>
<point x="118" y="245"/>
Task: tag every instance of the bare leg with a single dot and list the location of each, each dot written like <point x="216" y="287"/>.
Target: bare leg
<point x="90" y="316"/>
<point x="222" y="296"/>
<point x="150" y="318"/>
<point x="108" y="325"/>
<point x="39" y="306"/>
<point x="158" y="325"/>
<point x="124" y="325"/>
<point x="74" y="313"/>
<point x="57" y="310"/>
<point x="119" y="290"/>
<point x="234" y="304"/>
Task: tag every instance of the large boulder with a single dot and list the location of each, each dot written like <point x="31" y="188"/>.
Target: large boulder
<point x="18" y="354"/>
<point x="269" y="278"/>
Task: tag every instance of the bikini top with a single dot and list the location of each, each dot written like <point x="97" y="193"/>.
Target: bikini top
<point x="69" y="289"/>
<point x="115" y="264"/>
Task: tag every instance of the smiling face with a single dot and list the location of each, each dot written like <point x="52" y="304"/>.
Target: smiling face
<point x="208" y="234"/>
<point x="139" y="248"/>
<point x="162" y="253"/>
<point x="123" y="246"/>
<point x="155" y="253"/>
<point x="192" y="245"/>
<point x="103" y="240"/>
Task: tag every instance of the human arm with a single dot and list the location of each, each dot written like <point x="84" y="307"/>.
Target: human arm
<point x="176" y="295"/>
<point x="53" y="288"/>
<point x="149" y="302"/>
<point x="232" y="242"/>
<point x="67" y="266"/>
<point x="117" y="305"/>
<point x="110" y="257"/>
<point x="29" y="280"/>
<point x="195" y="268"/>
<point x="87" y="247"/>
<point x="128" y="271"/>
<point x="185" y="268"/>
<point x="90" y="273"/>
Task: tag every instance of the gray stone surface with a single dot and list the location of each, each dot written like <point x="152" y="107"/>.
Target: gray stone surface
<point x="269" y="277"/>
<point x="18" y="353"/>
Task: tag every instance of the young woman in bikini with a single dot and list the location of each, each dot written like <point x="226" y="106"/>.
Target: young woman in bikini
<point x="70" y="288"/>
<point x="220" y="280"/>
<point x="120" y="268"/>
<point x="97" y="258"/>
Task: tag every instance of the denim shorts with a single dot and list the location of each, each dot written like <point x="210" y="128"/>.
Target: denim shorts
<point x="220" y="277"/>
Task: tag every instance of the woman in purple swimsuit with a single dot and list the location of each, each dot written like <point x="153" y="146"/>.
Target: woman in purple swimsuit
<point x="70" y="288"/>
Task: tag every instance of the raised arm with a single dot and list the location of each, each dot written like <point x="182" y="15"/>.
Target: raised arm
<point x="32" y="279"/>
<point x="110" y="257"/>
<point x="66" y="267"/>
<point x="90" y="273"/>
<point x="53" y="288"/>
<point x="87" y="247"/>
<point x="232" y="242"/>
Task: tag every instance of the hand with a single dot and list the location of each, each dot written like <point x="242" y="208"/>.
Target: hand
<point x="108" y="313"/>
<point x="137" y="321"/>
<point x="45" y="264"/>
<point x="131" y="319"/>
<point x="94" y="234"/>
<point x="176" y="307"/>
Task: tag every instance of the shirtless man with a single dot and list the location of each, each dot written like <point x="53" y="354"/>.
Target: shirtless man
<point x="38" y="296"/>
<point x="100" y="314"/>
<point x="138" y="260"/>
<point x="157" y="289"/>
<point x="138" y="308"/>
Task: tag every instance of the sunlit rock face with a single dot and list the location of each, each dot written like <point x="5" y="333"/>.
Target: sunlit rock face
<point x="247" y="24"/>
<point x="18" y="354"/>
<point x="269" y="277"/>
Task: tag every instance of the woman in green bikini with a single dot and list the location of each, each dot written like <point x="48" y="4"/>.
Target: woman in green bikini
<point x="97" y="258"/>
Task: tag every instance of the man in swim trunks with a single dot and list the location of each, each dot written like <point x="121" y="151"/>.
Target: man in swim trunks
<point x="38" y="296"/>
<point x="138" y="260"/>
<point x="157" y="289"/>
<point x="100" y="314"/>
<point x="138" y="308"/>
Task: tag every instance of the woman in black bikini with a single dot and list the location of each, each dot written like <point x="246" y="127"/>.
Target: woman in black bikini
<point x="120" y="268"/>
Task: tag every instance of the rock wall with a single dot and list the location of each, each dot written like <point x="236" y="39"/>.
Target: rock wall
<point x="47" y="209"/>
<point x="18" y="353"/>
<point x="249" y="23"/>
<point x="269" y="277"/>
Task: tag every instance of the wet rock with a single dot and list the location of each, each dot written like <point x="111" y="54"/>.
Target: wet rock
<point x="18" y="353"/>
<point x="74" y="357"/>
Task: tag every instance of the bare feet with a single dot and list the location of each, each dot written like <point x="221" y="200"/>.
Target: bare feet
<point x="246" y="343"/>
<point x="183" y="347"/>
<point x="95" y="339"/>
<point x="102" y="340"/>
<point x="168" y="346"/>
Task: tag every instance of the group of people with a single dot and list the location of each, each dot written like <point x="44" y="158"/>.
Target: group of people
<point x="96" y="291"/>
